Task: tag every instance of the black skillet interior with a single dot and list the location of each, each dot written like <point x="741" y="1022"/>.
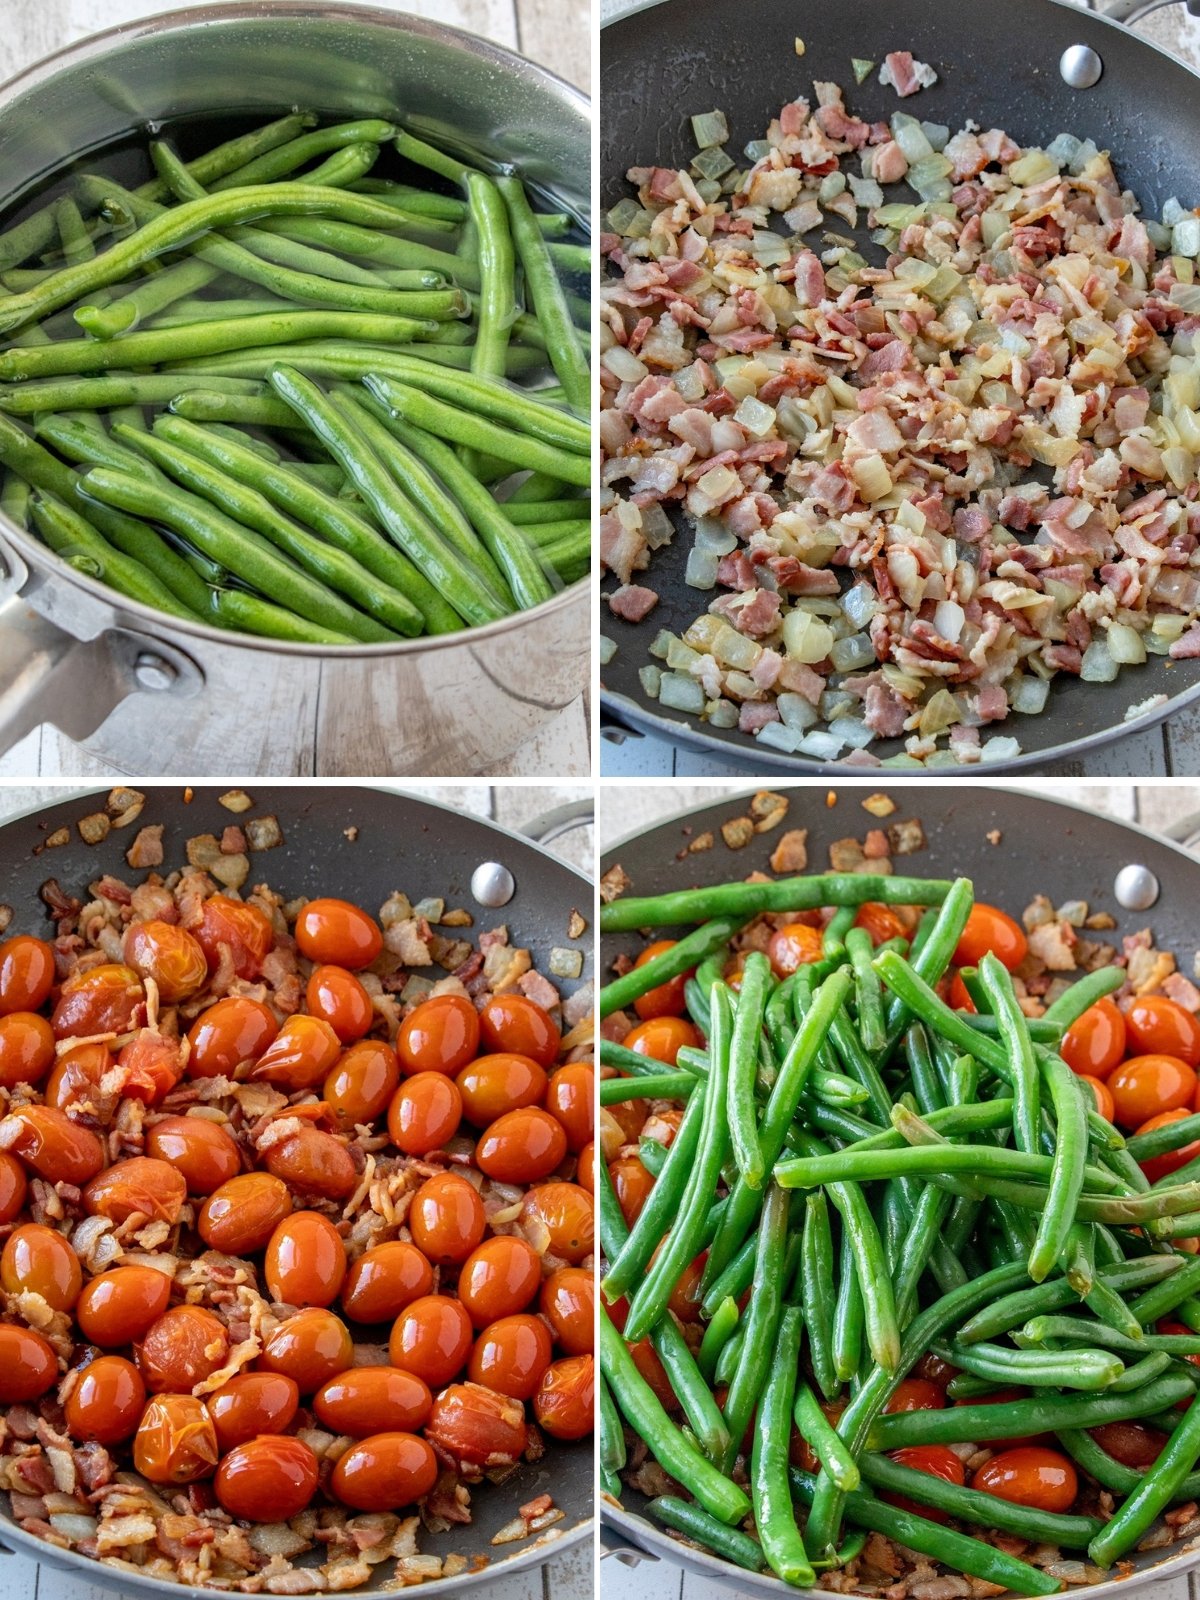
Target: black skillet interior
<point x="997" y="64"/>
<point x="1044" y="847"/>
<point x="402" y="842"/>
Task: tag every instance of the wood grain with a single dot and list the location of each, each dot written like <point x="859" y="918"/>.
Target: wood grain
<point x="556" y="32"/>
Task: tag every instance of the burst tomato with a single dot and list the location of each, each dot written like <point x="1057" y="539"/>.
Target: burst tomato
<point x="241" y="929"/>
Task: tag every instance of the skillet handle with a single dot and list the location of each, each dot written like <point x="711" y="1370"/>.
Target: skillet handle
<point x="1131" y="11"/>
<point x="614" y="1545"/>
<point x="1184" y="830"/>
<point x="561" y="819"/>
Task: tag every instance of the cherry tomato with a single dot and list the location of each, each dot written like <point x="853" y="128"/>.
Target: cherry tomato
<point x="1145" y="1086"/>
<point x="181" y="1348"/>
<point x="1030" y="1476"/>
<point x="645" y="1359"/>
<point x="152" y="1065"/>
<point x="39" y="1260"/>
<point x="305" y="1261"/>
<point x="1131" y="1443"/>
<point x="141" y="1186"/>
<point x="250" y="1404"/>
<point x="492" y="1085"/>
<point x="424" y="1113"/>
<point x="384" y="1280"/>
<point x="569" y="1097"/>
<point x="991" y="929"/>
<point x="568" y="1303"/>
<point x="311" y="1347"/>
<point x="940" y="1462"/>
<point x="585" y="1170"/>
<point x="384" y="1472"/>
<point x="564" y="1214"/>
<point x="57" y="1149"/>
<point x="478" y="1426"/>
<point x="28" y="1365"/>
<point x="175" y="1441"/>
<point x="369" y="1400"/>
<point x="431" y="1337"/>
<point x="26" y="1048"/>
<point x="521" y="1146"/>
<point x="233" y="1031"/>
<point x="935" y="1369"/>
<point x="168" y="954"/>
<point x="499" y="1278"/>
<point x="446" y="1218"/>
<point x="338" y="998"/>
<point x="244" y="931"/>
<point x="204" y="1153"/>
<point x="1095" y="1042"/>
<point x="685" y="1296"/>
<point x="915" y="1394"/>
<point x="667" y="999"/>
<point x="1160" y="1166"/>
<point x="240" y="1216"/>
<point x="315" y="1163"/>
<point x="299" y="1056"/>
<point x="1154" y="1025"/>
<point x="361" y="1083"/>
<point x="267" y="1479"/>
<point x="103" y="999"/>
<point x="633" y="1184"/>
<point x="662" y="1038"/>
<point x="515" y="1023"/>
<point x="1100" y="1094"/>
<point x="117" y="1307"/>
<point x="565" y="1398"/>
<point x="510" y="1356"/>
<point x="960" y="999"/>
<point x="75" y="1078"/>
<point x="792" y="946"/>
<point x="106" y="1402"/>
<point x="881" y="922"/>
<point x="26" y="973"/>
<point x="439" y="1035"/>
<point x="338" y="933"/>
<point x="13" y="1187"/>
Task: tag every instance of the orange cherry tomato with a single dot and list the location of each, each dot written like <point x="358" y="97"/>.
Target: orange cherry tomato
<point x="522" y="1146"/>
<point x="28" y="1365"/>
<point x="424" y="1113"/>
<point x="685" y="1296"/>
<point x="26" y="973"/>
<point x="511" y="1355"/>
<point x="181" y="1348"/>
<point x="477" y="1426"/>
<point x="310" y="1348"/>
<point x="337" y="933"/>
<point x="267" y="1479"/>
<point x="565" y="1398"/>
<point x="75" y="1078"/>
<point x="517" y="1024"/>
<point x="500" y="1277"/>
<point x="240" y="1216"/>
<point x="940" y="1462"/>
<point x="40" y="1260"/>
<point x="1155" y="1025"/>
<point x="250" y="1404"/>
<point x="568" y="1303"/>
<point x="369" y="1400"/>
<point x="632" y="1184"/>
<point x="106" y="1402"/>
<point x="1100" y="1094"/>
<point x="1030" y="1476"/>
<point x="1133" y="1444"/>
<point x="13" y="1187"/>
<point x="305" y="1261"/>
<point x="645" y="1359"/>
<point x="361" y="1083"/>
<point x="492" y="1085"/>
<point x="244" y="931"/>
<point x="141" y="1186"/>
<point x="432" y="1337"/>
<point x="57" y="1149"/>
<point x="585" y="1170"/>
<point x="1145" y="1086"/>
<point x="103" y="999"/>
<point x="667" y="999"/>
<point x="662" y="1038"/>
<point x="991" y="929"/>
<point x="234" y="1031"/>
<point x="1160" y="1166"/>
<point x="152" y="1065"/>
<point x="175" y="1441"/>
<point x="439" y="1035"/>
<point x="881" y="922"/>
<point x="204" y="1153"/>
<point x="446" y="1218"/>
<point x="117" y="1307"/>
<point x="792" y="946"/>
<point x="170" y="955"/>
<point x="960" y="999"/>
<point x="338" y="998"/>
<point x="916" y="1394"/>
<point x="567" y="1214"/>
<point x="1095" y="1042"/>
<point x="384" y="1472"/>
<point x="315" y="1163"/>
<point x="384" y="1280"/>
<point x="26" y="1048"/>
<point x="299" y="1056"/>
<point x="569" y="1097"/>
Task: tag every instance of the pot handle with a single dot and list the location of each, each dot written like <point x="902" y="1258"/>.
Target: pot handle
<point x="1131" y="11"/>
<point x="1184" y="830"/>
<point x="561" y="819"/>
<point x="616" y="1546"/>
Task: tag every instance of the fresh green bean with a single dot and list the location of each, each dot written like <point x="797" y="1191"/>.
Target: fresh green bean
<point x="1014" y="1309"/>
<point x="612" y="1441"/>
<point x="663" y="1086"/>
<point x="427" y="155"/>
<point x="1070" y="1156"/>
<point x="241" y="612"/>
<point x="926" y="1160"/>
<point x="972" y="1505"/>
<point x="816" y="1277"/>
<point x="1018" y="1046"/>
<point x="112" y="391"/>
<point x="849" y="1316"/>
<point x="497" y="307"/>
<point x="1073" y="1002"/>
<point x="1039" y="1330"/>
<point x="936" y="950"/>
<point x="76" y="542"/>
<point x="823" y="1440"/>
<point x="1153" y="1494"/>
<point x="686" y="1518"/>
<point x="691" y="1388"/>
<point x="928" y="1217"/>
<point x="743" y="1061"/>
<point x="538" y="512"/>
<point x="287" y="158"/>
<point x="782" y="1542"/>
<point x="1065" y="1369"/>
<point x="716" y="1335"/>
<point x="868" y="995"/>
<point x="660" y="1209"/>
<point x="762" y="1321"/>
<point x="687" y="952"/>
<point x="746" y="900"/>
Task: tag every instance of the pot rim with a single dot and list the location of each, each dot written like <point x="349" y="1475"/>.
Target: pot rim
<point x="94" y="45"/>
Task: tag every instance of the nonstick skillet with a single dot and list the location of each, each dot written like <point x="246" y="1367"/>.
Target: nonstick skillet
<point x="1044" y="847"/>
<point x="399" y="842"/>
<point x="1002" y="65"/>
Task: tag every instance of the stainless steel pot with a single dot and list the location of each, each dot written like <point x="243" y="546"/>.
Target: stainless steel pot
<point x="150" y="694"/>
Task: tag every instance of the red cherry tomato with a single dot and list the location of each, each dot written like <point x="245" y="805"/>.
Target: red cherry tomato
<point x="240" y="1216"/>
<point x="1145" y="1086"/>
<point x="439" y="1035"/>
<point x="104" y="999"/>
<point x="511" y="1355"/>
<point x="663" y="1038"/>
<point x="369" y="1400"/>
<point x="1160" y="1166"/>
<point x="519" y="1025"/>
<point x="170" y="955"/>
<point x="181" y="1348"/>
<point x="384" y="1472"/>
<point x="13" y="1187"/>
<point x="432" y="1337"/>
<point x="310" y="1348"/>
<point x="28" y="1365"/>
<point x="1133" y="1444"/>
<point x="117" y="1307"/>
<point x="305" y="1261"/>
<point x="175" y="1441"/>
<point x="881" y="922"/>
<point x="446" y="1218"/>
<point x="492" y="1085"/>
<point x="382" y="1281"/>
<point x="475" y="1425"/>
<point x="314" y="1162"/>
<point x="204" y="1153"/>
<point x="299" y="1056"/>
<point x="361" y="1083"/>
<point x="960" y="999"/>
<point x="916" y="1394"/>
<point x="793" y="946"/>
<point x="499" y="1278"/>
<point x="233" y="1031"/>
<point x="338" y="998"/>
<point x="939" y="1461"/>
<point x="106" y="1402"/>
<point x="334" y="932"/>
<point x="1100" y="1094"/>
<point x="1030" y="1476"/>
<point x="1155" y="1025"/>
<point x="522" y="1146"/>
<point x="424" y="1113"/>
<point x="569" y="1097"/>
<point x="40" y="1260"/>
<point x="667" y="999"/>
<point x="26" y="973"/>
<point x="991" y="929"/>
<point x="565" y="1400"/>
<point x="1095" y="1042"/>
<point x="152" y="1065"/>
<point x="26" y="1048"/>
<point x="244" y="931"/>
<point x="250" y="1404"/>
<point x="632" y="1184"/>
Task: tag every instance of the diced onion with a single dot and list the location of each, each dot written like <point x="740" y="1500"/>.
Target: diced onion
<point x="710" y="128"/>
<point x="822" y="746"/>
<point x="680" y="693"/>
<point x="796" y="711"/>
<point x="1098" y="666"/>
<point x="910" y="136"/>
<point x="778" y="736"/>
<point x="849" y="654"/>
<point x="1029" y="695"/>
<point x="1000" y="749"/>
<point x="755" y="417"/>
<point x="852" y="731"/>
<point x="623" y="365"/>
<point x="1125" y="645"/>
<point x="701" y="569"/>
<point x="608" y="649"/>
<point x="948" y="619"/>
<point x="650" y="678"/>
<point x="805" y="638"/>
<point x="714" y="537"/>
<point x="860" y="604"/>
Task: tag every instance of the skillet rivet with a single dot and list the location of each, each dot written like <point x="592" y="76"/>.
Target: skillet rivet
<point x="1136" y="888"/>
<point x="153" y="672"/>
<point x="492" y="884"/>
<point x="1080" y="66"/>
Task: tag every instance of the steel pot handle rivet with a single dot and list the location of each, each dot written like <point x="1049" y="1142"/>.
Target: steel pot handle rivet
<point x="492" y="884"/>
<point x="1136" y="887"/>
<point x="153" y="672"/>
<point x="1080" y="66"/>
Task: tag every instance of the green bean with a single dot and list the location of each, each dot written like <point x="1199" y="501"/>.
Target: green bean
<point x="774" y="1518"/>
<point x="426" y="155"/>
<point x="88" y="441"/>
<point x="617" y="1055"/>
<point x="1163" y="1298"/>
<point x="728" y="1359"/>
<point x="1074" y="1329"/>
<point x="833" y="938"/>
<point x="1066" y="1369"/>
<point x="1039" y="1030"/>
<point x="497" y="307"/>
<point x="928" y="1217"/>
<point x="923" y="1160"/>
<point x="849" y="1316"/>
<point x="1153" y="1494"/>
<point x="537" y="512"/>
<point x="868" y="995"/>
<point x="824" y="1441"/>
<point x="290" y="157"/>
<point x="716" y="1335"/>
<point x="927" y="1086"/>
<point x="743" y="1060"/>
<point x="145" y="299"/>
<point x="612" y="1441"/>
<point x="730" y="1543"/>
<point x="15" y="498"/>
<point x="664" y="1086"/>
<point x="762" y="1321"/>
<point x="570" y="556"/>
<point x="687" y="952"/>
<point x="1015" y="1040"/>
<point x="972" y="1505"/>
<point x="75" y="541"/>
<point x="108" y="393"/>
<point x="343" y="358"/>
<point x="234" y="156"/>
<point x="936" y="950"/>
<point x="1073" y="1002"/>
<point x="1070" y="1157"/>
<point x="952" y="1121"/>
<point x="691" y="1388"/>
<point x="248" y="613"/>
<point x="77" y="244"/>
<point x="1012" y="1310"/>
<point x="746" y="900"/>
<point x="660" y="1209"/>
<point x="574" y="258"/>
<point x="537" y="486"/>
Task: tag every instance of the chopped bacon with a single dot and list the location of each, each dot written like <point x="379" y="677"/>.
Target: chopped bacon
<point x="631" y="602"/>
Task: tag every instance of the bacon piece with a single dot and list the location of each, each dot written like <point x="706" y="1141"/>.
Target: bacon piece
<point x="884" y="712"/>
<point x="632" y="602"/>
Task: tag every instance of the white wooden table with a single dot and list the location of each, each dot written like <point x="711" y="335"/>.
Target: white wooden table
<point x="568" y="1576"/>
<point x="555" y="33"/>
